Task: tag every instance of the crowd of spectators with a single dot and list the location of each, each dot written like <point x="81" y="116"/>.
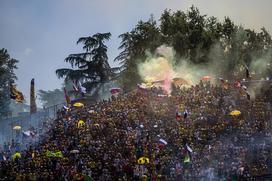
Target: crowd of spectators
<point x="104" y="140"/>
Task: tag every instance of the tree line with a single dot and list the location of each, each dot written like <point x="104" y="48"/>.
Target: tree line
<point x="191" y="34"/>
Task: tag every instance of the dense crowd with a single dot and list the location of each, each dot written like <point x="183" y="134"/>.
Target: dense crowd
<point x="104" y="140"/>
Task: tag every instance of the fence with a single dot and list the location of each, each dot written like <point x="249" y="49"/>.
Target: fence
<point x="34" y="121"/>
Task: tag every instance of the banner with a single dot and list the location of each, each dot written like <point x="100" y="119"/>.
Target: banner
<point x="57" y="154"/>
<point x="16" y="94"/>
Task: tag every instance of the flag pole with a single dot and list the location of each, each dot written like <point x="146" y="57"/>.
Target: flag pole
<point x="33" y="106"/>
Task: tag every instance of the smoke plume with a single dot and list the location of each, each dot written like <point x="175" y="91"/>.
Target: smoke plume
<point x="164" y="66"/>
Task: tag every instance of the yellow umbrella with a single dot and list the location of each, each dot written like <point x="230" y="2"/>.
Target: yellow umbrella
<point x="78" y="104"/>
<point x="143" y="177"/>
<point x="16" y="155"/>
<point x="80" y="123"/>
<point x="17" y="127"/>
<point x="143" y="160"/>
<point x="235" y="113"/>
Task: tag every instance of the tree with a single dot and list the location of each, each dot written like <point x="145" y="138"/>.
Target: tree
<point x="196" y="38"/>
<point x="7" y="75"/>
<point x="50" y="98"/>
<point x="228" y="28"/>
<point x="174" y="29"/>
<point x="92" y="66"/>
<point x="134" y="44"/>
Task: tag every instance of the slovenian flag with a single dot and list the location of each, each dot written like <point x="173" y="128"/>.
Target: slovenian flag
<point x="162" y="141"/>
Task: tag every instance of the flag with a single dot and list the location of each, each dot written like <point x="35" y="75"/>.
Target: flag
<point x="189" y="148"/>
<point x="141" y="87"/>
<point x="50" y="153"/>
<point x="33" y="106"/>
<point x="16" y="94"/>
<point x="222" y="80"/>
<point x="178" y="116"/>
<point x="75" y="86"/>
<point x="226" y="85"/>
<point x="162" y="95"/>
<point x="26" y="133"/>
<point x="248" y="95"/>
<point x="78" y="88"/>
<point x="58" y="154"/>
<point x="115" y="90"/>
<point x="237" y="84"/>
<point x="29" y="133"/>
<point x="67" y="98"/>
<point x="81" y="89"/>
<point x="247" y="72"/>
<point x="244" y="87"/>
<point x="162" y="141"/>
<point x="185" y="114"/>
<point x="66" y="108"/>
<point x="186" y="159"/>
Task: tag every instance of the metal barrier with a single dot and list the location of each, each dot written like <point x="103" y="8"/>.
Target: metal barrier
<point x="34" y="121"/>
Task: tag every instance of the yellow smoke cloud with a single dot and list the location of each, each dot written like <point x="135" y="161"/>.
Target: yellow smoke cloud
<point x="162" y="67"/>
<point x="156" y="69"/>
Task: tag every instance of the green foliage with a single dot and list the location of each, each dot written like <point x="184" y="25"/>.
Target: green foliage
<point x="92" y="66"/>
<point x="134" y="44"/>
<point x="50" y="98"/>
<point x="195" y="37"/>
<point x="7" y="66"/>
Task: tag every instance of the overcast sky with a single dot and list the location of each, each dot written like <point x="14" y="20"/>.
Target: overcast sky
<point x="41" y="33"/>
